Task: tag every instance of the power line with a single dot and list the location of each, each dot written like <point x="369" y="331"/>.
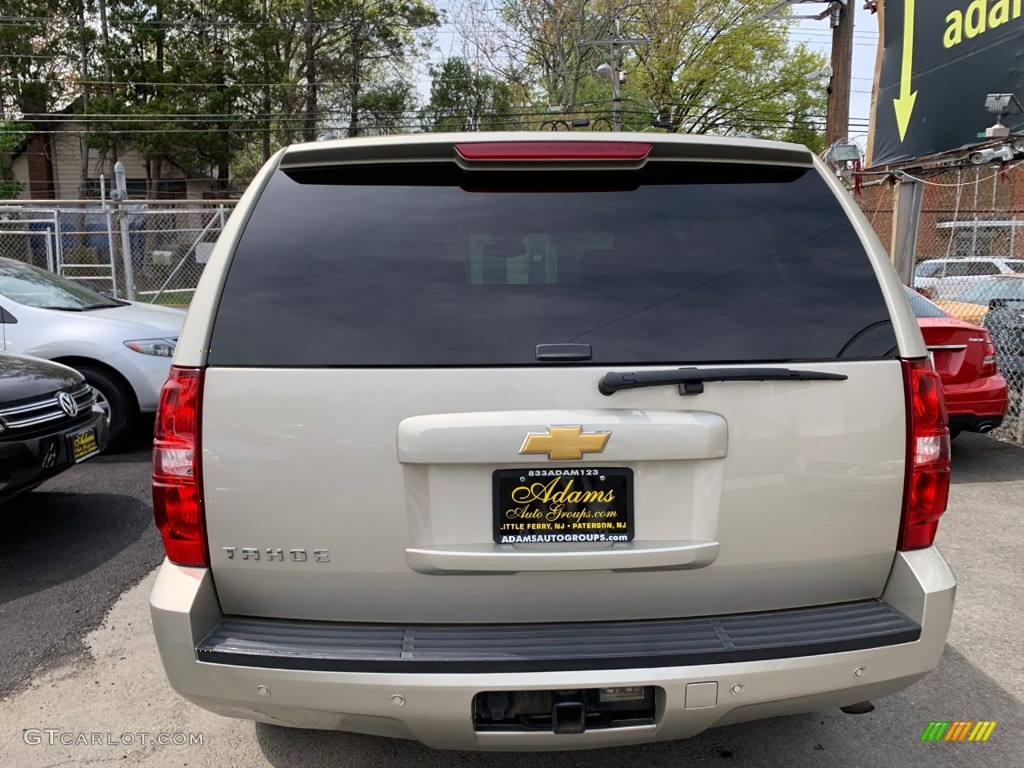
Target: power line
<point x="172" y="24"/>
<point x="581" y="110"/>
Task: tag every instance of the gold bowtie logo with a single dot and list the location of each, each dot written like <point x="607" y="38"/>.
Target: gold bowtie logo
<point x="565" y="443"/>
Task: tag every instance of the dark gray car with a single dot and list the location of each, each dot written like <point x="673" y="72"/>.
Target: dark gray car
<point x="49" y="422"/>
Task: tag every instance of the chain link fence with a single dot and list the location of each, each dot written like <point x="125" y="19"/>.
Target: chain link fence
<point x="970" y="260"/>
<point x="151" y="252"/>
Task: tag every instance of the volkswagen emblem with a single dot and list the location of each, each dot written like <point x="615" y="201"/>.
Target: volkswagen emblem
<point x="67" y="404"/>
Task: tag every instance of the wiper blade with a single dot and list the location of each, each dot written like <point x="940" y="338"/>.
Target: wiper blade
<point x="691" y="380"/>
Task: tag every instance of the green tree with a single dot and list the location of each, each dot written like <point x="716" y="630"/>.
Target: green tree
<point x="34" y="45"/>
<point x="12" y="135"/>
<point x="708" y="67"/>
<point x="179" y="71"/>
<point x="535" y="45"/>
<point x="720" y="68"/>
<point x="462" y="99"/>
<point x="206" y="85"/>
<point x="383" y="108"/>
<point x="377" y="31"/>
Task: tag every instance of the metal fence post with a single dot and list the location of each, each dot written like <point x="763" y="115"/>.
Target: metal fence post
<point x="126" y="252"/>
<point x="1020" y="416"/>
<point x="909" y="194"/>
<point x="58" y="237"/>
<point x="110" y="244"/>
<point x="49" y="253"/>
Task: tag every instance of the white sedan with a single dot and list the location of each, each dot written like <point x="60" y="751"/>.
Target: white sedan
<point x="122" y="348"/>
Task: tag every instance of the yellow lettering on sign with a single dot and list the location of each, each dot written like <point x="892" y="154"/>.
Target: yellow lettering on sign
<point x="999" y="13"/>
<point x="955" y="30"/>
<point x="979" y="17"/>
<point x="974" y="19"/>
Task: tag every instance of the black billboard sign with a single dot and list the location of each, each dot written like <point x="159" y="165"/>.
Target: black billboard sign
<point x="939" y="59"/>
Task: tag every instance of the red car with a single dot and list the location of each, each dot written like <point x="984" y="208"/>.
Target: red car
<point x="965" y="360"/>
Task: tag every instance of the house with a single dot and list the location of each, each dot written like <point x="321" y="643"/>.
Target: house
<point x="49" y="166"/>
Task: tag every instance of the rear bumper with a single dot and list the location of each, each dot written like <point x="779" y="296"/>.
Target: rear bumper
<point x="978" y="406"/>
<point x="971" y="422"/>
<point x="433" y="704"/>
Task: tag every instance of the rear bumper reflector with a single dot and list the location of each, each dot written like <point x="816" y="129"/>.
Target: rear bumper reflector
<point x="389" y="648"/>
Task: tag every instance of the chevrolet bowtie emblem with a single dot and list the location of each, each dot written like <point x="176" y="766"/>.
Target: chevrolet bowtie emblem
<point x="565" y="443"/>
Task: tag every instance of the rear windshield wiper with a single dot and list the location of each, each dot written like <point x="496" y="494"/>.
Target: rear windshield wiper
<point x="691" y="380"/>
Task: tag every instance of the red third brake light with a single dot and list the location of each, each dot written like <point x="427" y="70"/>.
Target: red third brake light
<point x="492" y="151"/>
<point x="927" y="483"/>
<point x="177" y="485"/>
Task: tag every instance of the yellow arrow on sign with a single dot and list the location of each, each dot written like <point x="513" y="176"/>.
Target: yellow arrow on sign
<point x="904" y="105"/>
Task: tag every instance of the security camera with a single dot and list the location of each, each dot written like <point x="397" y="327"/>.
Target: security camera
<point x="982" y="156"/>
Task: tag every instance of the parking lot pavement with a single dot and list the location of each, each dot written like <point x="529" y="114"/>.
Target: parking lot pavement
<point x="114" y="690"/>
<point x="70" y="548"/>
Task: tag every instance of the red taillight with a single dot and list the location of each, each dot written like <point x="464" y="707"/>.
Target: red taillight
<point x="177" y="485"/>
<point x="492" y="151"/>
<point x="927" y="484"/>
<point x="988" y="365"/>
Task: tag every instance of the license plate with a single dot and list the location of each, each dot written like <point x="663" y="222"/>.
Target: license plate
<point x="559" y="506"/>
<point x="82" y="445"/>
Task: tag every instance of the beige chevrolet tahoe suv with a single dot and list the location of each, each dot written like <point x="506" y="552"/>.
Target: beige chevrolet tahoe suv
<point x="548" y="441"/>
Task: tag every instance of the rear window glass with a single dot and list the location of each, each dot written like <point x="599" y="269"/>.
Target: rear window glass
<point x="1016" y="266"/>
<point x="970" y="268"/>
<point x="997" y="288"/>
<point x="431" y="266"/>
<point x="921" y="306"/>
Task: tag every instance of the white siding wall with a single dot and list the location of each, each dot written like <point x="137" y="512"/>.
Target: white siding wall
<point x="66" y="159"/>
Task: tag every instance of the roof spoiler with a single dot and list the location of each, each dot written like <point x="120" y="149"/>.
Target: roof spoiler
<point x="441" y="147"/>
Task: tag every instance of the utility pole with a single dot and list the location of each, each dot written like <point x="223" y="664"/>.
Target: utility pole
<point x="837" y="114"/>
<point x="613" y="71"/>
<point x="840" y="15"/>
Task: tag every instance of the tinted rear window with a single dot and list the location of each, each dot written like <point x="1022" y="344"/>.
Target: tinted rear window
<point x="996" y="288"/>
<point x="428" y="266"/>
<point x="921" y="306"/>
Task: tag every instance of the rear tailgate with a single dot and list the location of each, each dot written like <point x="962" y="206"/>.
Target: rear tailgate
<point x="778" y="507"/>
<point x="402" y="400"/>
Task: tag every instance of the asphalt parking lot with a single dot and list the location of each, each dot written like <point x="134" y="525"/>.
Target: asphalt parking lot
<point x="77" y="655"/>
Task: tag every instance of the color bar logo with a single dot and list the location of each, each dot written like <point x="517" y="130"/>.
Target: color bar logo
<point x="958" y="730"/>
